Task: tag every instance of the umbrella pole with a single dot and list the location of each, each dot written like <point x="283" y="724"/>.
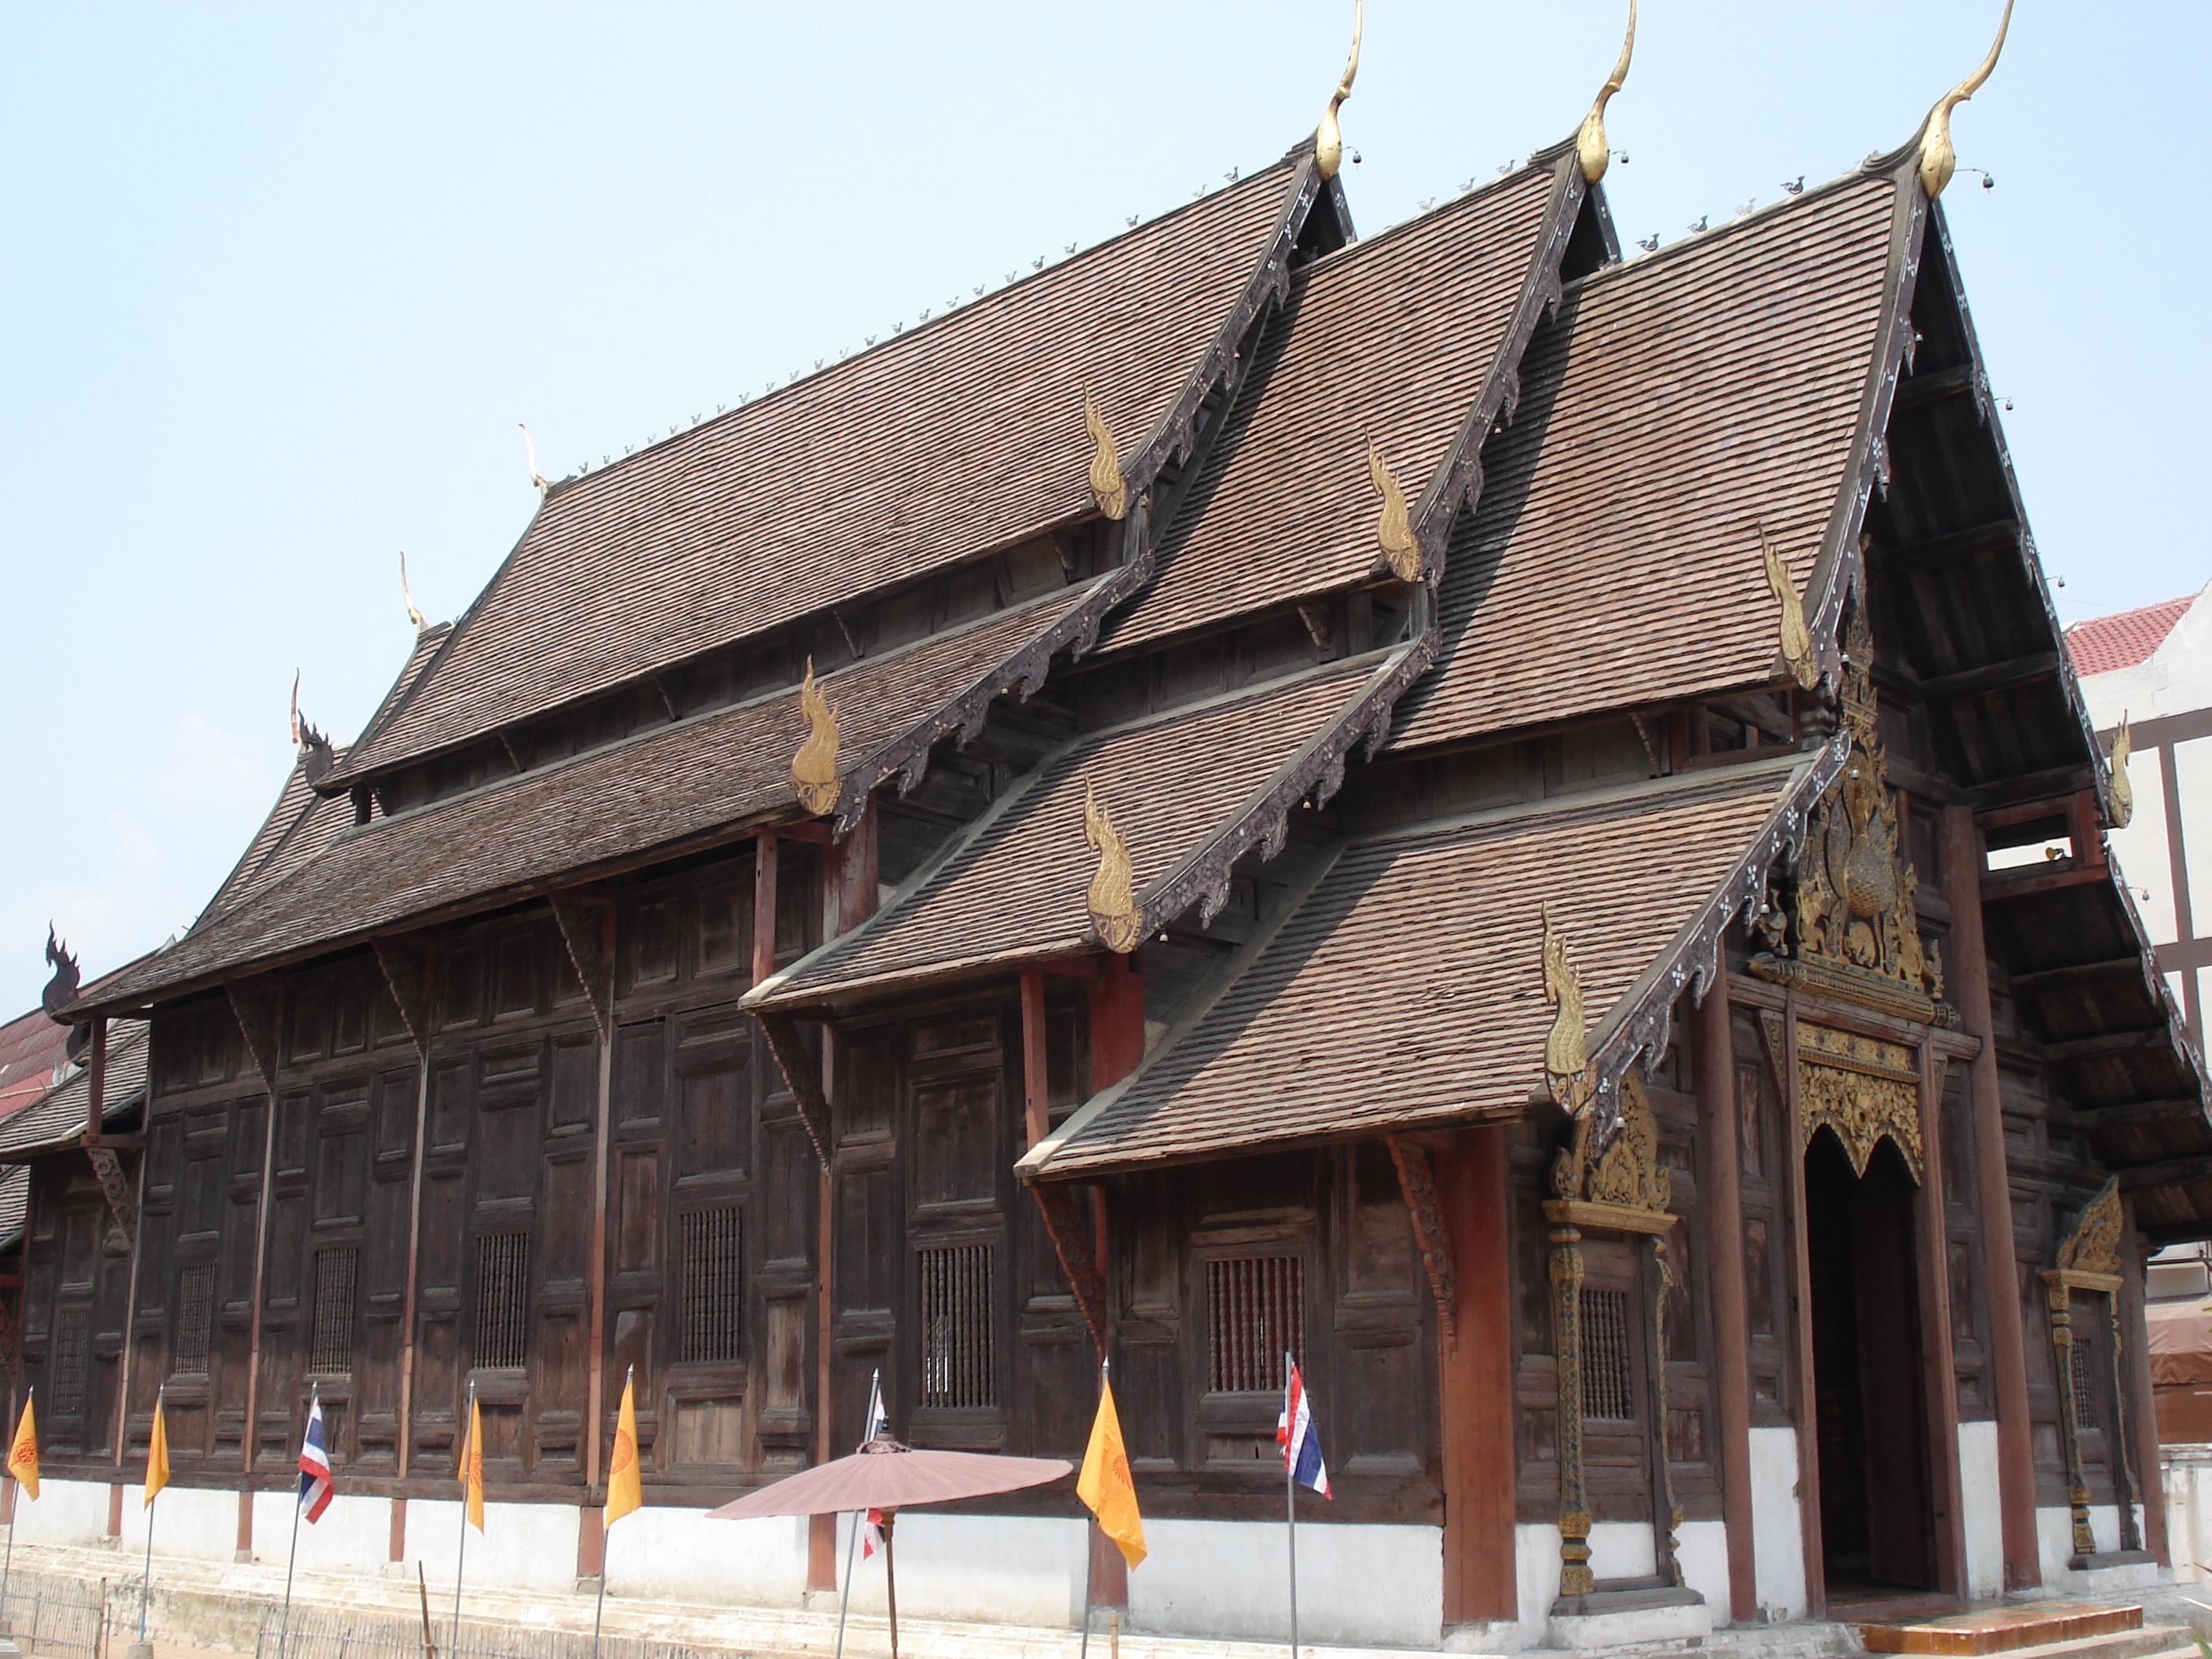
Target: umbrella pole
<point x="844" y="1602"/>
<point x="890" y="1577"/>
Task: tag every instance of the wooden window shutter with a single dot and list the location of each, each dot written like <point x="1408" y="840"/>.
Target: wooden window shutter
<point x="1255" y="1313"/>
<point x="503" y="1300"/>
<point x="191" y="1330"/>
<point x="958" y="1360"/>
<point x="713" y="1331"/>
<point x="330" y="1347"/>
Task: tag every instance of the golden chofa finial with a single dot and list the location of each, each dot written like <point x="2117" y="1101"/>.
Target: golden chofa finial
<point x="1937" y="159"/>
<point x="1797" y="638"/>
<point x="407" y="598"/>
<point x="814" y="768"/>
<point x="1328" y="138"/>
<point x="1107" y="487"/>
<point x="1590" y="147"/>
<point x="1566" y="1052"/>
<point x="1395" y="531"/>
<point x="1112" y="899"/>
<point x="2119" y="794"/>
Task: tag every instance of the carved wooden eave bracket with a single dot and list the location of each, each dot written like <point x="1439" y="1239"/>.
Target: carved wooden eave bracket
<point x="1417" y="1181"/>
<point x="1638" y="1026"/>
<point x="406" y="960"/>
<point x="1071" y="1244"/>
<point x="803" y="1074"/>
<point x="585" y="917"/>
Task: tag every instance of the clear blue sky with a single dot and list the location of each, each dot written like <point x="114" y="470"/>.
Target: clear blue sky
<point x="277" y="284"/>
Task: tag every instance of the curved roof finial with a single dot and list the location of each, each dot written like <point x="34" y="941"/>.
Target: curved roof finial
<point x="407" y="598"/>
<point x="530" y="454"/>
<point x="1590" y="147"/>
<point x="1328" y="138"/>
<point x="1937" y="159"/>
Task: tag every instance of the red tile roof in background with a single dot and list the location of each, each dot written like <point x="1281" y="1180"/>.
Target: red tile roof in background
<point x="30" y="1048"/>
<point x="2124" y="639"/>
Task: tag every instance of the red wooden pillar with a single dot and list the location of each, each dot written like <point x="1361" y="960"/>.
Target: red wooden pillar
<point x="1715" y="1054"/>
<point x="1474" y="1193"/>
<point x="1965" y="958"/>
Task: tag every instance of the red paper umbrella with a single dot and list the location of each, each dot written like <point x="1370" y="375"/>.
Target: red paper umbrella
<point x="887" y="1476"/>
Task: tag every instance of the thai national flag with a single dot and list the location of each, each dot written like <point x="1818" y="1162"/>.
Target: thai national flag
<point x="871" y="1524"/>
<point x="1295" y="1431"/>
<point x="314" y="1466"/>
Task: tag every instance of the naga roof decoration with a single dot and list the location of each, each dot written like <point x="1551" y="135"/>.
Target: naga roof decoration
<point x="814" y="768"/>
<point x="1394" y="533"/>
<point x="1795" y="639"/>
<point x="2119" y="794"/>
<point x="1112" y="905"/>
<point x="1328" y="138"/>
<point x="1937" y="160"/>
<point x="1592" y="152"/>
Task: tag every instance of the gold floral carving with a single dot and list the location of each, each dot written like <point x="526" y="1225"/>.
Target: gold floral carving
<point x="1591" y="149"/>
<point x="1112" y="898"/>
<point x="2119" y="794"/>
<point x="1852" y="929"/>
<point x="1860" y="1088"/>
<point x="814" y="768"/>
<point x="1395" y="530"/>
<point x="1566" y="1053"/>
<point x="1328" y="138"/>
<point x="1797" y="638"/>
<point x="1627" y="1174"/>
<point x="1107" y="487"/>
<point x="2093" y="1246"/>
<point x="1938" y="160"/>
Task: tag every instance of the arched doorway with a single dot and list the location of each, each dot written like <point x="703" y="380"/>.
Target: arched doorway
<point x="1877" y="1529"/>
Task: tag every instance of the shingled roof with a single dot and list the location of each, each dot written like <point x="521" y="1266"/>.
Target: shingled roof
<point x="2125" y="638"/>
<point x="953" y="439"/>
<point x="1676" y="405"/>
<point x="693" y="783"/>
<point x="1423" y="953"/>
<point x="1189" y="791"/>
<point x="1410" y="338"/>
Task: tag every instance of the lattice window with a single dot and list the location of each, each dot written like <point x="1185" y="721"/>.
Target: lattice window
<point x="957" y="1362"/>
<point x="2085" y="1386"/>
<point x="192" y="1334"/>
<point x="714" y="1285"/>
<point x="1606" y="1391"/>
<point x="330" y="1351"/>
<point x="503" y="1300"/>
<point x="1255" y="1313"/>
<point x="72" y="1366"/>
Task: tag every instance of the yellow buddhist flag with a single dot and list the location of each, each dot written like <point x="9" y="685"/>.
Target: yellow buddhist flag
<point x="472" y="1464"/>
<point x="624" y="1492"/>
<point x="157" y="1454"/>
<point x="1104" y="1485"/>
<point x="23" y="1451"/>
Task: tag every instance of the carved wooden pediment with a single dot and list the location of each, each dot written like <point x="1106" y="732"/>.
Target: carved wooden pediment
<point x="1622" y="1189"/>
<point x="1844" y="922"/>
<point x="1859" y="1089"/>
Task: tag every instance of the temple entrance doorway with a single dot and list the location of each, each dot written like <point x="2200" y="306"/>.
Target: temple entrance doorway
<point x="1877" y="1530"/>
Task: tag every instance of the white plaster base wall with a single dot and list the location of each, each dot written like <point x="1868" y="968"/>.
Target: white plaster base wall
<point x="1983" y="1516"/>
<point x="353" y="1535"/>
<point x="2054" y="1538"/>
<point x="1358" y="1586"/>
<point x="2186" y="1479"/>
<point x="70" y="1512"/>
<point x="522" y="1547"/>
<point x="1622" y="1549"/>
<point x="1778" y="1532"/>
<point x="1701" y="1549"/>
<point x="1536" y="1579"/>
<point x="189" y="1522"/>
<point x="1025" y="1570"/>
<point x="679" y="1555"/>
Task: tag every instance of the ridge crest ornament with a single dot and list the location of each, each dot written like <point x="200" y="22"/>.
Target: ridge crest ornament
<point x="1848" y="924"/>
<point x="814" y="768"/>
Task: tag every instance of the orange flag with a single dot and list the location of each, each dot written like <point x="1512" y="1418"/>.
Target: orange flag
<point x="23" y="1451"/>
<point x="472" y="1469"/>
<point x="157" y="1454"/>
<point x="1104" y="1483"/>
<point x="624" y="1490"/>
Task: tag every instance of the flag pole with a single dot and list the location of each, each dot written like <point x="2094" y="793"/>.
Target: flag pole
<point x="606" y="1537"/>
<point x="291" y="1561"/>
<point x="1090" y="1546"/>
<point x="146" y="1580"/>
<point x="1289" y="1499"/>
<point x="461" y="1549"/>
<point x="15" y="1500"/>
<point x="859" y="1516"/>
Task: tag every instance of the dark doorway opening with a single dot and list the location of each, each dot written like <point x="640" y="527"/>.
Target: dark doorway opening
<point x="1876" y="1524"/>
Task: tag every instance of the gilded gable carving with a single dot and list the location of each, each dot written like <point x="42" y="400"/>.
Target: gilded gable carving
<point x="1860" y="1089"/>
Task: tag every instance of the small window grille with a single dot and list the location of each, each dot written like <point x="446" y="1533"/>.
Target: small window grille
<point x="330" y="1351"/>
<point x="1256" y="1310"/>
<point x="72" y="1365"/>
<point x="503" y="1300"/>
<point x="1606" y="1392"/>
<point x="714" y="1270"/>
<point x="193" y="1333"/>
<point x="958" y="1368"/>
<point x="2085" y="1386"/>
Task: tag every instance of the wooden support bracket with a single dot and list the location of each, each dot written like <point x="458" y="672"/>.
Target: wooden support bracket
<point x="258" y="1002"/>
<point x="1417" y="1179"/>
<point x="117" y="1189"/>
<point x="1071" y="1242"/>
<point x="586" y="921"/>
<point x="405" y="960"/>
<point x="804" y="1077"/>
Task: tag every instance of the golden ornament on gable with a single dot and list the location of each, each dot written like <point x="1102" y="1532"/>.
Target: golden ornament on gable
<point x="814" y="768"/>
<point x="1394" y="531"/>
<point x="1106" y="486"/>
<point x="2119" y="794"/>
<point x="1566" y="1053"/>
<point x="1111" y="899"/>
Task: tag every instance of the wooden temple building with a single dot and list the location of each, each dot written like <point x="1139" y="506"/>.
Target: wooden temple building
<point x="1422" y="801"/>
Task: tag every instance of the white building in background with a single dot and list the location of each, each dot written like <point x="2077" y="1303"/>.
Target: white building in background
<point x="2153" y="666"/>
